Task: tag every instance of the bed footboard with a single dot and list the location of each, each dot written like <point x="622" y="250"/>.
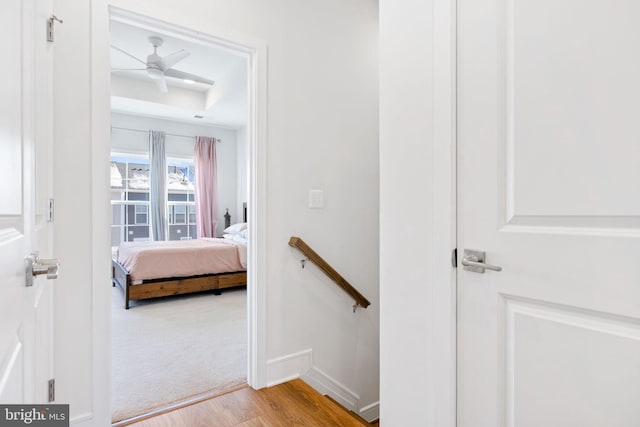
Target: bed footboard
<point x="172" y="286"/>
<point x="186" y="285"/>
<point x="120" y="277"/>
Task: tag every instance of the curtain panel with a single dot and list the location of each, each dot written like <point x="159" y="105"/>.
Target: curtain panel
<point x="158" y="185"/>
<point x="206" y="186"/>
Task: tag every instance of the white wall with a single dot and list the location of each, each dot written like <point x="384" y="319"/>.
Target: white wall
<point x="406" y="214"/>
<point x="226" y="152"/>
<point x="417" y="179"/>
<point x="322" y="133"/>
<point x="147" y="91"/>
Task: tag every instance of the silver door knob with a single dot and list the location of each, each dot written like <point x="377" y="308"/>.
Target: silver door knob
<point x="474" y="261"/>
<point x="36" y="266"/>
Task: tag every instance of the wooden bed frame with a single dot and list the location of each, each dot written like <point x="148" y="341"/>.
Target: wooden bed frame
<point x="173" y="285"/>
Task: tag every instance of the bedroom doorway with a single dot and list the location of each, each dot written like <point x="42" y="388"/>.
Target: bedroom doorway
<point x="172" y="349"/>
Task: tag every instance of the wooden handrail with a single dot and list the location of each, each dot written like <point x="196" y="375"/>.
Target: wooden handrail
<point x="299" y="244"/>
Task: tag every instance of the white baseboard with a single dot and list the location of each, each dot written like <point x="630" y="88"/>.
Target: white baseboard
<point x="287" y="368"/>
<point x="300" y="365"/>
<point x="370" y="412"/>
<point x="324" y="384"/>
<point x="82" y="420"/>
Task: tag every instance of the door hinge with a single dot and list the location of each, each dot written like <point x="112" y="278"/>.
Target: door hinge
<point x="454" y="258"/>
<point x="52" y="390"/>
<point x="50" y="213"/>
<point x="50" y="22"/>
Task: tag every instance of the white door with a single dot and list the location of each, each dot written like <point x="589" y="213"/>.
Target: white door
<point x="549" y="188"/>
<point x="25" y="189"/>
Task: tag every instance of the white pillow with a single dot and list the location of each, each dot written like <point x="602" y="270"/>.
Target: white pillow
<point x="238" y="238"/>
<point x="236" y="228"/>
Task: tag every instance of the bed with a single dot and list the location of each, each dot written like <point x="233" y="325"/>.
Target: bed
<point x="155" y="269"/>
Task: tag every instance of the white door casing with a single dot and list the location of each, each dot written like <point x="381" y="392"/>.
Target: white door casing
<point x="256" y="52"/>
<point x="25" y="174"/>
<point x="44" y="196"/>
<point x="549" y="186"/>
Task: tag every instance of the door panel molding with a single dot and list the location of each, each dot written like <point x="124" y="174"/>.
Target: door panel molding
<point x="11" y="117"/>
<point x="535" y="195"/>
<point x="521" y="356"/>
<point x="611" y="226"/>
<point x="11" y="367"/>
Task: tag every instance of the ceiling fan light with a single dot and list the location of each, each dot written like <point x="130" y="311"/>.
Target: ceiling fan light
<point x="154" y="73"/>
<point x="188" y="81"/>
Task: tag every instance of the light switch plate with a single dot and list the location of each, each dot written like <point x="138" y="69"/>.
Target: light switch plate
<point x="316" y="199"/>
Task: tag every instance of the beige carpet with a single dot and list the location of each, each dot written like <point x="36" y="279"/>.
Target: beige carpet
<point x="169" y="349"/>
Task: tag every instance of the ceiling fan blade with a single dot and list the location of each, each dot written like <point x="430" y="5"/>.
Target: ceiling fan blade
<point x="171" y="60"/>
<point x="186" y="76"/>
<point x="162" y="85"/>
<point x="128" y="54"/>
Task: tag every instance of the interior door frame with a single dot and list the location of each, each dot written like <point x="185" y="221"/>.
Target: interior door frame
<point x="256" y="52"/>
<point x="442" y="336"/>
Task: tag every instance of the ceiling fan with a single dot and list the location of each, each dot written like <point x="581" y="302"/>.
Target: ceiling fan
<point x="158" y="67"/>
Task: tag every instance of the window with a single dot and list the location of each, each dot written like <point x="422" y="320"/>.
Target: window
<point x="130" y="204"/>
<point x="129" y="199"/>
<point x="142" y="214"/>
<point x="181" y="197"/>
<point x="192" y="214"/>
<point x="180" y="212"/>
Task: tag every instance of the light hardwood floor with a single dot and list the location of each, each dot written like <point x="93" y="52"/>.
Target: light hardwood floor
<point x="291" y="404"/>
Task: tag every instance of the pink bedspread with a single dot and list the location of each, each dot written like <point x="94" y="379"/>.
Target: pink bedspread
<point x="181" y="258"/>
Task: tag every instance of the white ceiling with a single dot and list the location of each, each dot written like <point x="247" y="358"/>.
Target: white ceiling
<point x="133" y="92"/>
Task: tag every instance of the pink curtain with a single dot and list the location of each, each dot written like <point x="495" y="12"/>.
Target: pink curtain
<point x="206" y="186"/>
